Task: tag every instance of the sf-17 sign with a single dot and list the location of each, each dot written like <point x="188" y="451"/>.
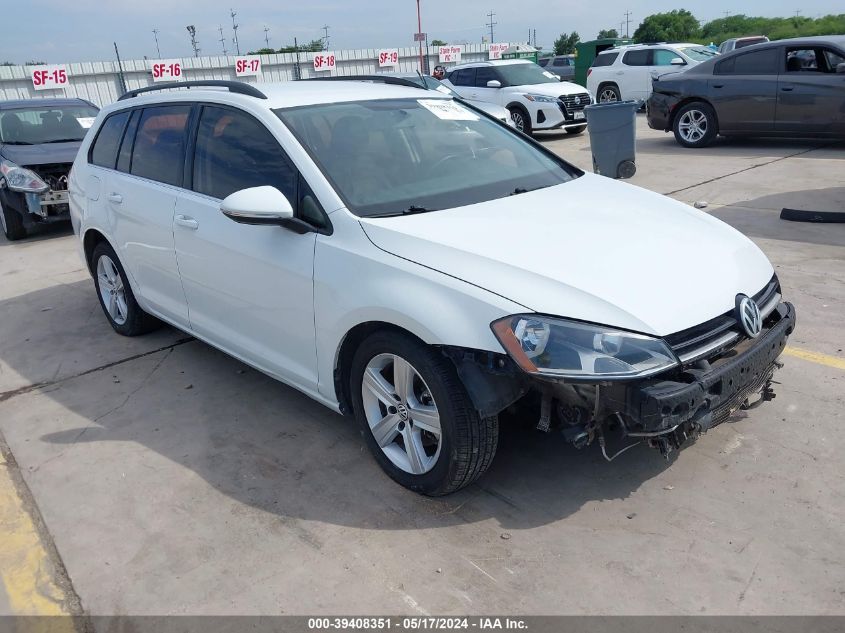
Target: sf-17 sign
<point x="248" y="66"/>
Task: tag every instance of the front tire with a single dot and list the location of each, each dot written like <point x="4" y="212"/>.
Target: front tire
<point x="12" y="224"/>
<point x="115" y="294"/>
<point x="521" y="120"/>
<point x="416" y="416"/>
<point x="695" y="125"/>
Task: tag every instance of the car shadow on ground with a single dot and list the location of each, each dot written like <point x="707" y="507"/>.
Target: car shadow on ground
<point x="41" y="232"/>
<point x="269" y="446"/>
<point x="742" y="147"/>
<point x="760" y="217"/>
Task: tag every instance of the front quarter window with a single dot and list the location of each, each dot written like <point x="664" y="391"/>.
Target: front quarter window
<point x="395" y="156"/>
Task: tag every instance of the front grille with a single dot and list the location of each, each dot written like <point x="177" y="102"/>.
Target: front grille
<point x="54" y="175"/>
<point x="713" y="337"/>
<point x="572" y="103"/>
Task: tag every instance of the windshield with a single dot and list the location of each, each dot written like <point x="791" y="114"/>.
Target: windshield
<point x="52" y="124"/>
<point x="525" y="75"/>
<point x="396" y="156"/>
<point x="699" y="53"/>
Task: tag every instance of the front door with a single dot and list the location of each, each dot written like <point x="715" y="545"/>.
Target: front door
<point x="249" y="288"/>
<point x="811" y="94"/>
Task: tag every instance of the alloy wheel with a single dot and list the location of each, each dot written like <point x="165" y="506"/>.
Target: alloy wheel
<point x="608" y="95"/>
<point x="518" y="120"/>
<point x="692" y="126"/>
<point x="112" y="291"/>
<point x="401" y="413"/>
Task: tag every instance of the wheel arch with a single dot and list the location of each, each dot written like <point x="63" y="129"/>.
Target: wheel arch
<point x="604" y="84"/>
<point x="90" y="239"/>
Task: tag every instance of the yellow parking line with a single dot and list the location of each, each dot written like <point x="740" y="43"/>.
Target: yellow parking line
<point x="816" y="357"/>
<point x="26" y="572"/>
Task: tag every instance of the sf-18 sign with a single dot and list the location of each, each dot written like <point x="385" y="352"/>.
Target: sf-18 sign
<point x="388" y="57"/>
<point x="450" y="54"/>
<point x="49" y="77"/>
<point x="496" y="50"/>
<point x="324" y="61"/>
<point x="249" y="66"/>
<point x="167" y="70"/>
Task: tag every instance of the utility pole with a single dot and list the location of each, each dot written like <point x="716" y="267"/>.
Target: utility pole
<point x="326" y="37"/>
<point x="235" y="31"/>
<point x="155" y="35"/>
<point x="266" y="38"/>
<point x="120" y="70"/>
<point x="419" y="30"/>
<point x="628" y="24"/>
<point x="727" y="13"/>
<point x="194" y="42"/>
<point x="535" y="38"/>
<point x="222" y="39"/>
<point x="491" y="24"/>
<point x="797" y="12"/>
<point x="621" y="25"/>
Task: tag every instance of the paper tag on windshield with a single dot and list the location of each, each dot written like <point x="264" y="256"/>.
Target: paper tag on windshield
<point x="86" y="121"/>
<point x="443" y="89"/>
<point x="549" y="75"/>
<point x="447" y="110"/>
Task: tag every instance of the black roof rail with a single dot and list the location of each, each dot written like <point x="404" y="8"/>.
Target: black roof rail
<point x="238" y="87"/>
<point x="383" y="79"/>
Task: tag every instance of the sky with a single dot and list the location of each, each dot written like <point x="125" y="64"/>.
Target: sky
<point x="84" y="30"/>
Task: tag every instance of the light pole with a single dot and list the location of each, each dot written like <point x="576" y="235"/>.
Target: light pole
<point x="419" y="30"/>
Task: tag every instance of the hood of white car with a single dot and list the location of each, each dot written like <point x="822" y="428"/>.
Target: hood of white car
<point x="592" y="249"/>
<point x="549" y="90"/>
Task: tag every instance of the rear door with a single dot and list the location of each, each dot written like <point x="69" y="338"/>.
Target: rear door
<point x="483" y="74"/>
<point x="249" y="288"/>
<point x="743" y="91"/>
<point x="811" y="94"/>
<point x="140" y="196"/>
<point x="633" y="76"/>
<point x="463" y="81"/>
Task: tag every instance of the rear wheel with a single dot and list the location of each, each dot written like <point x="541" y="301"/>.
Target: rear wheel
<point x="416" y="416"/>
<point x="609" y="93"/>
<point x="521" y="120"/>
<point x="115" y="294"/>
<point x="12" y="224"/>
<point x="695" y="125"/>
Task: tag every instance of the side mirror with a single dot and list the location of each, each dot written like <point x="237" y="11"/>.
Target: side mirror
<point x="494" y="83"/>
<point x="257" y="205"/>
<point x="677" y="61"/>
<point x="840" y="68"/>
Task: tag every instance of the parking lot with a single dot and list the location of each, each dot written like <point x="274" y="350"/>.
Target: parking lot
<point x="172" y="479"/>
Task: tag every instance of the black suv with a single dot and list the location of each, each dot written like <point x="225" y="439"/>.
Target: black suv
<point x="39" y="139"/>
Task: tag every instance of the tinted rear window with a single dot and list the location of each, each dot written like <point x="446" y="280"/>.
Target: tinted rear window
<point x="605" y="60"/>
<point x="637" y="58"/>
<point x="764" y="62"/>
<point x="104" y="151"/>
<point x="749" y="42"/>
<point x="159" y="151"/>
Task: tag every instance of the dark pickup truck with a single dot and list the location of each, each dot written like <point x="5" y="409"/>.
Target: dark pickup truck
<point x="39" y="139"/>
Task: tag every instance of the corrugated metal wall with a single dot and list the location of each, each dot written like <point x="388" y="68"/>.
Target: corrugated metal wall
<point x="99" y="82"/>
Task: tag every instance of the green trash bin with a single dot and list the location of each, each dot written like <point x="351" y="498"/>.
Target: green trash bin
<point x="585" y="53"/>
<point x="613" y="131"/>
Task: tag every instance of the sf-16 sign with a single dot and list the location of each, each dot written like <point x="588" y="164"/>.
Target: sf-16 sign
<point x="249" y="66"/>
<point x="49" y="77"/>
<point x="450" y="54"/>
<point x="167" y="70"/>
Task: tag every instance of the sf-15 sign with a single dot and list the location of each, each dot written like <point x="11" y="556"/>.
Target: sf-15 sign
<point x="450" y="54"/>
<point x="167" y="70"/>
<point x="49" y="77"/>
<point x="249" y="66"/>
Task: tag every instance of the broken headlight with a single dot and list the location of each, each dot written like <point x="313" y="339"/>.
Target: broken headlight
<point x="569" y="349"/>
<point x="20" y="179"/>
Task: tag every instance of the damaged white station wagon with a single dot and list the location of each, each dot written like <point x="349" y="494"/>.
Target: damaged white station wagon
<point x="406" y="259"/>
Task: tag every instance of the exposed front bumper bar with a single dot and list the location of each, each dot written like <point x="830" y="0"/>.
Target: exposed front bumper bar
<point x="700" y="398"/>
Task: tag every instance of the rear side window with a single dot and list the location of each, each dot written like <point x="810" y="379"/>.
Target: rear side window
<point x="637" y="58"/>
<point x="463" y="77"/>
<point x="104" y="150"/>
<point x="605" y="60"/>
<point x="750" y="41"/>
<point x="561" y="61"/>
<point x="159" y="150"/>
<point x="763" y="62"/>
<point x="543" y="62"/>
<point x="483" y="75"/>
<point x="234" y="151"/>
<point x="124" y="157"/>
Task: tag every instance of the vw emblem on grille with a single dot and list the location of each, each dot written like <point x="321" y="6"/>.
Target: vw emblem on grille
<point x="748" y="314"/>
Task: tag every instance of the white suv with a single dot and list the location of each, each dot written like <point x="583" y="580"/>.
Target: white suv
<point x="536" y="98"/>
<point x="407" y="260"/>
<point x="625" y="73"/>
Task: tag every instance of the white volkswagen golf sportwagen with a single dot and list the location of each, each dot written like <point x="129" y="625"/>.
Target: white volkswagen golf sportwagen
<point x="412" y="262"/>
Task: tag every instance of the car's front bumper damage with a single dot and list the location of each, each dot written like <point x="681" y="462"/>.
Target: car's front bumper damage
<point x="664" y="411"/>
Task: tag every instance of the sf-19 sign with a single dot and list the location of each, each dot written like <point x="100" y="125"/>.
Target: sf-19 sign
<point x="324" y="61"/>
<point x="167" y="70"/>
<point x="450" y="53"/>
<point x="249" y="66"/>
<point x="49" y="77"/>
<point x="388" y="57"/>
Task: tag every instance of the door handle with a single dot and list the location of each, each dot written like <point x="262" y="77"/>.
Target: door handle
<point x="620" y="72"/>
<point x="787" y="88"/>
<point x="116" y="198"/>
<point x="187" y="222"/>
<point x="718" y="85"/>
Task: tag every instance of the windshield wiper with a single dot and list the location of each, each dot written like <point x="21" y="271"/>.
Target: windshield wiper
<point x="64" y="140"/>
<point x="17" y="143"/>
<point x="411" y="210"/>
<point x="520" y="190"/>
